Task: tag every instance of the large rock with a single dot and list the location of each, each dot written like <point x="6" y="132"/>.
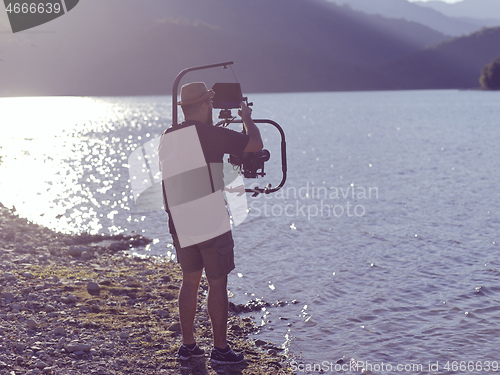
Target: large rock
<point x="93" y="288"/>
<point x="9" y="276"/>
<point x="174" y="327"/>
<point x="32" y="324"/>
<point x="8" y="296"/>
<point x="77" y="250"/>
<point x="74" y="346"/>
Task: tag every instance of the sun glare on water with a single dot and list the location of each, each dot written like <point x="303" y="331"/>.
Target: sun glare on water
<point x="38" y="137"/>
<point x="38" y="117"/>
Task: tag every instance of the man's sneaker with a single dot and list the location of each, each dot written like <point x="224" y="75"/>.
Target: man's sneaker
<point x="227" y="357"/>
<point x="186" y="353"/>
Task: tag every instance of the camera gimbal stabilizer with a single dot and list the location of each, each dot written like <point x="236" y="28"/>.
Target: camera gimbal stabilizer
<point x="229" y="96"/>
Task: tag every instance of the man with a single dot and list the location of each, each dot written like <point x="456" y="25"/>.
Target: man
<point x="191" y="162"/>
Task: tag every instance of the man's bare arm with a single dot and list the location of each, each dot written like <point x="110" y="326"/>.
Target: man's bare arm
<point x="255" y="142"/>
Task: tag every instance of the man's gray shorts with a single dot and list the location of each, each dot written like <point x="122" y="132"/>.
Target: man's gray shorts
<point x="215" y="255"/>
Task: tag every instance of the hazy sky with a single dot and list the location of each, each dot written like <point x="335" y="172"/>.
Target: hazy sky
<point x="446" y="1"/>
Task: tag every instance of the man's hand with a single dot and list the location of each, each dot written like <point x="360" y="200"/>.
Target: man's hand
<point x="255" y="141"/>
<point x="245" y="112"/>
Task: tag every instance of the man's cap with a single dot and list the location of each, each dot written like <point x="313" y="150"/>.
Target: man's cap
<point x="195" y="92"/>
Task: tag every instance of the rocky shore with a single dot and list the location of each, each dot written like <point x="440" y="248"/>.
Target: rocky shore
<point x="77" y="305"/>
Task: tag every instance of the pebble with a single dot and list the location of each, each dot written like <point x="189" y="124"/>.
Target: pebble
<point x="77" y="251"/>
<point x="61" y="343"/>
<point x="86" y="255"/>
<point x="174" y="327"/>
<point x="260" y="342"/>
<point x="9" y="276"/>
<point x="161" y="313"/>
<point x="49" y="308"/>
<point x="8" y="296"/>
<point x="40" y="364"/>
<point x="32" y="324"/>
<point x="77" y="347"/>
<point x="93" y="288"/>
<point x="272" y="352"/>
<point x="117" y="246"/>
<point x="59" y="331"/>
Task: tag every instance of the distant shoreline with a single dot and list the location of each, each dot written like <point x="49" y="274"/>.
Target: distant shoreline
<point x="246" y="93"/>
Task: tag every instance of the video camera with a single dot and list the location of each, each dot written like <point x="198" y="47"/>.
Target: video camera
<point x="229" y="96"/>
<point x="251" y="163"/>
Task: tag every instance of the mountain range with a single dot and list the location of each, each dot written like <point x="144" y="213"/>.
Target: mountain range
<point x="126" y="47"/>
<point x="455" y="19"/>
<point x="453" y="64"/>
<point x="471" y="9"/>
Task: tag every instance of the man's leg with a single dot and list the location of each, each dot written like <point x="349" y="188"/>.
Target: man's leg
<point x="217" y="305"/>
<point x="188" y="297"/>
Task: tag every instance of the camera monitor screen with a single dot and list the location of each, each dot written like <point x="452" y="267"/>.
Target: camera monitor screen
<point x="227" y="95"/>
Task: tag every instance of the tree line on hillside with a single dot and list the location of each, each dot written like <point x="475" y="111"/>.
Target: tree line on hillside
<point x="490" y="75"/>
<point x="453" y="64"/>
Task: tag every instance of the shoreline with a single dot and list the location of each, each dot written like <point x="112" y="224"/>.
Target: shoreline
<point x="77" y="304"/>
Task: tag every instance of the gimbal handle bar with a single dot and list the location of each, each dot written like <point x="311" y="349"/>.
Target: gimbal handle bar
<point x="267" y="190"/>
<point x="178" y="79"/>
<point x="255" y="190"/>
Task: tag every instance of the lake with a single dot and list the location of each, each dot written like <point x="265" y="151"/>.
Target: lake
<point x="381" y="252"/>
